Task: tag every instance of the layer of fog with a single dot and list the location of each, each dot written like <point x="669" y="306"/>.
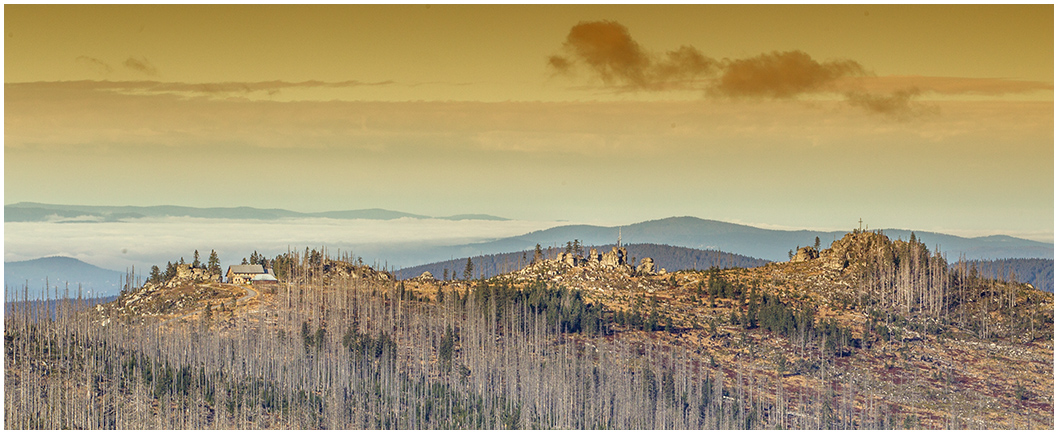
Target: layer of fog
<point x="155" y="241"/>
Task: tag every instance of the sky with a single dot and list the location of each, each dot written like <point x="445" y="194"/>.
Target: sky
<point x="936" y="118"/>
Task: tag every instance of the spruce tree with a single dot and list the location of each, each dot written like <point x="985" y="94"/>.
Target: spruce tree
<point x="156" y="275"/>
<point x="468" y="272"/>
<point x="214" y="262"/>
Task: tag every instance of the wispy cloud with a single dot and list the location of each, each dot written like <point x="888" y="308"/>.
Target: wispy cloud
<point x="50" y="114"/>
<point x="946" y="85"/>
<point x="896" y="104"/>
<point x="141" y="65"/>
<point x="95" y="64"/>
<point x="183" y="88"/>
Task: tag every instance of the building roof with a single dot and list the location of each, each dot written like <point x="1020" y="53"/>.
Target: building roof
<point x="246" y="269"/>
<point x="264" y="277"/>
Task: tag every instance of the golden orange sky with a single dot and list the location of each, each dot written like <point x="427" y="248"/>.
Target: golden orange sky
<point x="931" y="117"/>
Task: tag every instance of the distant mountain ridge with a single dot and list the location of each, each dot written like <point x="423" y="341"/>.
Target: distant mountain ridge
<point x="58" y="272"/>
<point x="38" y="212"/>
<point x="773" y="245"/>
<point x="691" y="232"/>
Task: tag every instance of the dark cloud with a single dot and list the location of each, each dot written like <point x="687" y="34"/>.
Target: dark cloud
<point x="686" y="63"/>
<point x="781" y="75"/>
<point x="94" y="63"/>
<point x="608" y="52"/>
<point x="142" y="65"/>
<point x="608" y="49"/>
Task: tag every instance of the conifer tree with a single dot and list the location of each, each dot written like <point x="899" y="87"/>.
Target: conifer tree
<point x="156" y="275"/>
<point x="468" y="272"/>
<point x="170" y="271"/>
<point x="214" y="262"/>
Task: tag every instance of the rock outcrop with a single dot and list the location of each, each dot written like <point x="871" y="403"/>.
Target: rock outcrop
<point x="853" y="249"/>
<point x="806" y="253"/>
<point x="615" y="258"/>
<point x="186" y="272"/>
<point x="646" y="266"/>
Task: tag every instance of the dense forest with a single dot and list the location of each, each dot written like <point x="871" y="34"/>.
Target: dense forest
<point x="338" y="345"/>
<point x="670" y="257"/>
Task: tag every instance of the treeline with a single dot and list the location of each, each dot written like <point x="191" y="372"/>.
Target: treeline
<point x="1039" y="272"/>
<point x="159" y="276"/>
<point x="672" y="258"/>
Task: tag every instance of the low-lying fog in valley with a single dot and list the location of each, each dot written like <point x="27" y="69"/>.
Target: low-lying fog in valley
<point x="148" y="241"/>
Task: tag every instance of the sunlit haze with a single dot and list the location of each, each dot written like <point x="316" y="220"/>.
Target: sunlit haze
<point x="922" y="117"/>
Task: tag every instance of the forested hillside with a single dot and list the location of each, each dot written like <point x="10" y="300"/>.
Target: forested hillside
<point x="869" y="333"/>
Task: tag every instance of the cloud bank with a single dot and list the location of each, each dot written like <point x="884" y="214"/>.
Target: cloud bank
<point x="153" y="241"/>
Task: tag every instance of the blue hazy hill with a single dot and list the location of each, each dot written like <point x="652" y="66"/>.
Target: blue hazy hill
<point x="60" y="271"/>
